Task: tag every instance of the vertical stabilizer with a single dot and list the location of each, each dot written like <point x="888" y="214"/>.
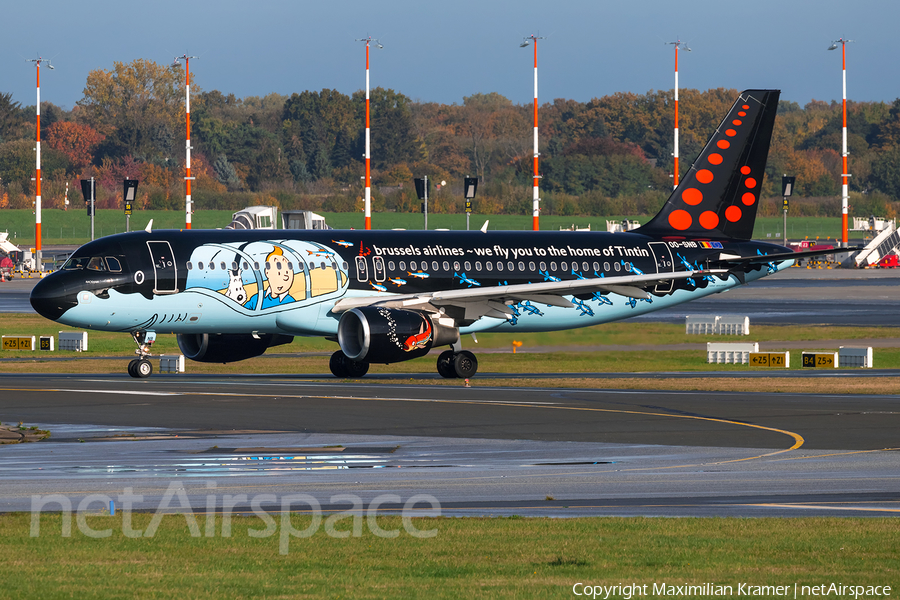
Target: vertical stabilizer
<point x="719" y="195"/>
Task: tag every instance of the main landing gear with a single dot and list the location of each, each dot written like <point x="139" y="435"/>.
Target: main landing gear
<point x="452" y="364"/>
<point x="343" y="368"/>
<point x="140" y="367"/>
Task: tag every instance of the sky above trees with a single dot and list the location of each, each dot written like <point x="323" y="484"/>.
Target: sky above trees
<point x="443" y="52"/>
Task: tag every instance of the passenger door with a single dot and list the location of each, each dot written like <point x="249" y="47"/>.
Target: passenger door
<point x="165" y="272"/>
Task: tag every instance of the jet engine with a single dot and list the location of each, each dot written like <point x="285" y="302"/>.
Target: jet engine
<point x="227" y="347"/>
<point x="377" y="334"/>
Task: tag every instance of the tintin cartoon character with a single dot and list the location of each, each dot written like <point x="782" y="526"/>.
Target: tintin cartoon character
<point x="280" y="277"/>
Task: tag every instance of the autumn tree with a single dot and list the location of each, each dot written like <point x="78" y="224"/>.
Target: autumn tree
<point x="138" y="107"/>
<point x="77" y="142"/>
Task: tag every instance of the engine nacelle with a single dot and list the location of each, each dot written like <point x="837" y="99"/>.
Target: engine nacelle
<point x="227" y="347"/>
<point x="387" y="335"/>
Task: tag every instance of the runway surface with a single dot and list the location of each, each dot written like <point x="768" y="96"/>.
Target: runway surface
<point x="484" y="451"/>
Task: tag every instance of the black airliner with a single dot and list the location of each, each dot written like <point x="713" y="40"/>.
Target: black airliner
<point x="390" y="296"/>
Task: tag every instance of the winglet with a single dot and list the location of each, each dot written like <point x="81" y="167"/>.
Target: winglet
<point x="149" y="227"/>
<point x="484" y="227"/>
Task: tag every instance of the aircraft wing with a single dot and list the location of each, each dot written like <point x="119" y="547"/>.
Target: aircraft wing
<point x="761" y="259"/>
<point x="494" y="301"/>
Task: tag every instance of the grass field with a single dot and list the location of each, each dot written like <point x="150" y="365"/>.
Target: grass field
<point x="613" y="348"/>
<point x="467" y="558"/>
<point x="74" y="226"/>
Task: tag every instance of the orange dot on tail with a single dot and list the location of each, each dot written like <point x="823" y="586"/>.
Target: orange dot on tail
<point x="723" y="144"/>
<point x="745" y="170"/>
<point x="742" y="114"/>
<point x="680" y="220"/>
<point x="715" y="159"/>
<point x="730" y="132"/>
<point x="750" y="182"/>
<point x="733" y="214"/>
<point x="737" y="122"/>
<point x="745" y="107"/>
<point x="709" y="220"/>
<point x="704" y="176"/>
<point x="692" y="196"/>
<point x="748" y="199"/>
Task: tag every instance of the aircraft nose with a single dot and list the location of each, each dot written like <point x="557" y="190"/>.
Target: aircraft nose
<point x="50" y="300"/>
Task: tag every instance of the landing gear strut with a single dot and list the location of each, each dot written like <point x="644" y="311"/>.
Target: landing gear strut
<point x="342" y="367"/>
<point x="140" y="367"/>
<point x="452" y="364"/>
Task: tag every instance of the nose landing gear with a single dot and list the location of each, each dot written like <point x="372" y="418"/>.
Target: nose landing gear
<point x="140" y="367"/>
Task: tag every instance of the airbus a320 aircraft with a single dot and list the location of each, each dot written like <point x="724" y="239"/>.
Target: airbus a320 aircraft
<point x="390" y="296"/>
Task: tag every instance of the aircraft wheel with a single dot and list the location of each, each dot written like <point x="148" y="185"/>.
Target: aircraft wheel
<point x="465" y="364"/>
<point x="356" y="369"/>
<point x="338" y="365"/>
<point x="131" y="370"/>
<point x="445" y="364"/>
<point x="143" y="368"/>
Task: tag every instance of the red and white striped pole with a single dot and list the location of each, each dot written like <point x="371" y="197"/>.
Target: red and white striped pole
<point x="845" y="190"/>
<point x="188" y="205"/>
<point x="368" y="156"/>
<point x="536" y="206"/>
<point x="675" y="152"/>
<point x="37" y="169"/>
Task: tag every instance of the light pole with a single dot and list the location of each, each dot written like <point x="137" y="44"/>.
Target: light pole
<point x="845" y="194"/>
<point x="37" y="170"/>
<point x="787" y="188"/>
<point x="677" y="44"/>
<point x="470" y="185"/>
<point x="188" y="207"/>
<point x="536" y="208"/>
<point x="368" y="40"/>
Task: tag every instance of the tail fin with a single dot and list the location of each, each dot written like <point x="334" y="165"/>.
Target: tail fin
<point x="719" y="195"/>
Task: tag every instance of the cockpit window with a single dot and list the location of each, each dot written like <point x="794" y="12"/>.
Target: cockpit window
<point x="75" y="263"/>
<point x="114" y="265"/>
<point x="96" y="264"/>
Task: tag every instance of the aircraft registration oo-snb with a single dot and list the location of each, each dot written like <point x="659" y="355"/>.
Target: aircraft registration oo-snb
<point x="390" y="296"/>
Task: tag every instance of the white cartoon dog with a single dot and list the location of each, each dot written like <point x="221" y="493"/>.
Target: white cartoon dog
<point x="236" y="289"/>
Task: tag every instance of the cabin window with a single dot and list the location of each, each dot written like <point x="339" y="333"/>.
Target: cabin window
<point x="301" y="267"/>
<point x="531" y="266"/>
<point x="212" y="266"/>
<point x="434" y="265"/>
<point x="402" y="265"/>
<point x="222" y="265"/>
<point x="200" y="265"/>
<point x="606" y="266"/>
<point x="412" y="265"/>
<point x="290" y="266"/>
<point x="499" y="266"/>
<point x="233" y="266"/>
<point x="553" y="266"/>
<point x="113" y="263"/>
<point x="390" y="265"/>
<point x="255" y="265"/>
<point x="96" y="264"/>
<point x="456" y="265"/>
<point x="323" y="265"/>
<point x="543" y="266"/>
<point x="521" y="266"/>
<point x="564" y="266"/>
<point x="468" y="266"/>
<point x="477" y="265"/>
<point x="585" y="266"/>
<point x="618" y="266"/>
<point x="268" y="265"/>
<point x="596" y="266"/>
<point x="488" y="265"/>
<point x="245" y="265"/>
<point x="345" y="266"/>
<point x="190" y="266"/>
<point x="446" y="266"/>
<point x="628" y="267"/>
